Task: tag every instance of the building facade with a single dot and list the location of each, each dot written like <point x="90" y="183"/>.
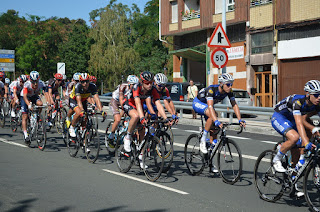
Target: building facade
<point x="275" y="44"/>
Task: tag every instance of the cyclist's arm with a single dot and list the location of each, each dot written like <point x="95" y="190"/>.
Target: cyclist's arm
<point x="79" y="102"/>
<point x="306" y="124"/>
<point x="169" y="106"/>
<point x="161" y="109"/>
<point x="15" y="93"/>
<point x="50" y="96"/>
<point x="6" y="92"/>
<point x="236" y="110"/>
<point x="97" y="101"/>
<point x="301" y="129"/>
<point x="149" y="106"/>
<point x="138" y="104"/>
<point x="212" y="112"/>
<point x="25" y="98"/>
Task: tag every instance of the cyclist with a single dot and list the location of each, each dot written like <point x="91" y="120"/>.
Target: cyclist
<point x="30" y="95"/>
<point x="75" y="80"/>
<point x="287" y="120"/>
<point x="53" y="93"/>
<point x="203" y="104"/>
<point x="133" y="106"/>
<point x="78" y="100"/>
<point x="15" y="90"/>
<point x="2" y="87"/>
<point x="6" y="88"/>
<point x="116" y="102"/>
<point x="160" y="82"/>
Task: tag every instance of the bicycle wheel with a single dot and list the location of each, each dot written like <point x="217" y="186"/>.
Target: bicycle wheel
<point x="152" y="160"/>
<point x="92" y="142"/>
<point x="268" y="182"/>
<point x="192" y="155"/>
<point x="14" y="123"/>
<point x="311" y="186"/>
<point x="229" y="161"/>
<point x="41" y="135"/>
<point x="65" y="132"/>
<point x="124" y="159"/>
<point x="73" y="144"/>
<point x="111" y="147"/>
<point x="2" y="118"/>
<point x="167" y="143"/>
<point x="59" y="120"/>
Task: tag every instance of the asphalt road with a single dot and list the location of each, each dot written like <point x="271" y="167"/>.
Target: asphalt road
<point x="50" y="180"/>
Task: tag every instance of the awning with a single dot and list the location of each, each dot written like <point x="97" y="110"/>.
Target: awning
<point x="190" y="54"/>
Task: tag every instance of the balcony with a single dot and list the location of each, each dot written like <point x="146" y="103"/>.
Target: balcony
<point x="188" y="15"/>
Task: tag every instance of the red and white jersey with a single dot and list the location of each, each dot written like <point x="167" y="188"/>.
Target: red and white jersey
<point x="15" y="85"/>
<point x="27" y="88"/>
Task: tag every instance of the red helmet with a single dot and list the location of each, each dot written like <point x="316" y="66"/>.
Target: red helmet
<point x="58" y="76"/>
<point x="93" y="79"/>
<point x="2" y="74"/>
<point x="84" y="76"/>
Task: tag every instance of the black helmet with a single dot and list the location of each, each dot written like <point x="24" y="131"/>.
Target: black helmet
<point x="146" y="76"/>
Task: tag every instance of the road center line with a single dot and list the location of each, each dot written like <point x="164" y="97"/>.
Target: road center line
<point x="146" y="182"/>
<point x="13" y="143"/>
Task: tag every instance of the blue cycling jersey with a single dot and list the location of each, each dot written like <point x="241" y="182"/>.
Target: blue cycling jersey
<point x="212" y="93"/>
<point x="295" y="105"/>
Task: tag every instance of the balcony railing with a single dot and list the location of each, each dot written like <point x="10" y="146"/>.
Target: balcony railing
<point x="254" y="3"/>
<point x="188" y="15"/>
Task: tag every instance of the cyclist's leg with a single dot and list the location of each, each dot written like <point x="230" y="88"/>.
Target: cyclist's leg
<point x="134" y="118"/>
<point x="116" y="115"/>
<point x="24" y="110"/>
<point x="74" y="106"/>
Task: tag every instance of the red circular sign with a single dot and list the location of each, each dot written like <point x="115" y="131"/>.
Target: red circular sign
<point x="219" y="58"/>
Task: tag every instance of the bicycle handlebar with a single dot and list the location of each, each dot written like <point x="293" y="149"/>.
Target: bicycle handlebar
<point x="224" y="125"/>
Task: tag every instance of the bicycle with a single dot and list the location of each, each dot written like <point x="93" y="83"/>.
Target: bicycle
<point x="57" y="116"/>
<point x="271" y="185"/>
<point x="229" y="167"/>
<point x="122" y="127"/>
<point x="2" y="114"/>
<point x="37" y="128"/>
<point x="87" y="136"/>
<point x="16" y="121"/>
<point x="152" y="149"/>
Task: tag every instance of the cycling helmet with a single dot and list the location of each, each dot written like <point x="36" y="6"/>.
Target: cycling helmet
<point x="7" y="81"/>
<point x="76" y="76"/>
<point x="1" y="74"/>
<point x="34" y="75"/>
<point x="312" y="86"/>
<point x="84" y="76"/>
<point x="146" y="76"/>
<point x="23" y="78"/>
<point x="132" y="79"/>
<point x="58" y="76"/>
<point x="93" y="79"/>
<point x="160" y="79"/>
<point x="225" y="78"/>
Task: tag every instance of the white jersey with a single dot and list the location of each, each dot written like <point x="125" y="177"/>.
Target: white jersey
<point x="15" y="85"/>
<point x="27" y="88"/>
<point x="122" y="88"/>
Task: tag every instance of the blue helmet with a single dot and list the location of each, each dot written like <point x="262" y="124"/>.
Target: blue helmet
<point x="34" y="75"/>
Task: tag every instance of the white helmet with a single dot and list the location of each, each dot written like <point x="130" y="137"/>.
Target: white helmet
<point x="160" y="79"/>
<point x="23" y="78"/>
<point x="312" y="86"/>
<point x="7" y="81"/>
<point x="132" y="79"/>
<point x="34" y="75"/>
<point x="225" y="78"/>
<point x="76" y="76"/>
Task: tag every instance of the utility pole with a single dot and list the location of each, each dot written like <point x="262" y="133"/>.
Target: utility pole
<point x="224" y="25"/>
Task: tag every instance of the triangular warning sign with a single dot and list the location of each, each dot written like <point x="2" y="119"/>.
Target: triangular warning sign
<point x="219" y="38"/>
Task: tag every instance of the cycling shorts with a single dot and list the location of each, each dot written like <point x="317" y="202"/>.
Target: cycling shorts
<point x="73" y="104"/>
<point x="199" y="107"/>
<point x="32" y="99"/>
<point x="145" y="108"/>
<point x="282" y="124"/>
<point x="127" y="107"/>
<point x="114" y="106"/>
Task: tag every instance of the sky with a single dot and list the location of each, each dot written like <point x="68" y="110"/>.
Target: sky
<point x="72" y="9"/>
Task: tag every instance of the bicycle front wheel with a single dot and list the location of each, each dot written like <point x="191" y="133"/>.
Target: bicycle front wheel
<point x="153" y="159"/>
<point x="2" y="118"/>
<point x="229" y="161"/>
<point x="60" y="119"/>
<point x="167" y="142"/>
<point x="268" y="182"/>
<point x="73" y="144"/>
<point x="192" y="155"/>
<point x="92" y="143"/>
<point x="124" y="159"/>
<point x="41" y="135"/>
<point x="110" y="143"/>
<point x="311" y="186"/>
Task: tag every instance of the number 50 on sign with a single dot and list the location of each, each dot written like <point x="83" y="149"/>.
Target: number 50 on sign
<point x="219" y="58"/>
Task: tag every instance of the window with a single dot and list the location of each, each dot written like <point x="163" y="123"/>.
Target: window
<point x="191" y="10"/>
<point x="229" y="6"/>
<point x="261" y="42"/>
<point x="307" y="31"/>
<point x="236" y="32"/>
<point x="174" y="12"/>
<point x="254" y="3"/>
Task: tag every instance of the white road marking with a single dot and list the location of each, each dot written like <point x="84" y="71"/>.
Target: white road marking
<point x="146" y="182"/>
<point x="192" y="131"/>
<point x="269" y="142"/>
<point x="243" y="138"/>
<point x="11" y="142"/>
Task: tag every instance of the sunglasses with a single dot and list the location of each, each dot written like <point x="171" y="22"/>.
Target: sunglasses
<point x="316" y="95"/>
<point x="85" y="81"/>
<point x="34" y="81"/>
<point x="147" y="82"/>
<point x="162" y="85"/>
<point x="229" y="84"/>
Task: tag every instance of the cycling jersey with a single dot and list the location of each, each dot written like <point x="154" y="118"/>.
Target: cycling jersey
<point x="283" y="118"/>
<point x="212" y="93"/>
<point x="52" y="84"/>
<point x="1" y="85"/>
<point x="136" y="91"/>
<point x="295" y="105"/>
<point x="27" y="89"/>
<point x="121" y="89"/>
<point x="15" y="85"/>
<point x="70" y="87"/>
<point x="79" y="91"/>
<point x="164" y="93"/>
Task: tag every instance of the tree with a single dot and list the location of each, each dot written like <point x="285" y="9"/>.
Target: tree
<point x="112" y="56"/>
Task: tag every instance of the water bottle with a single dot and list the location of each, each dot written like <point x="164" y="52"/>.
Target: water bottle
<point x="33" y="119"/>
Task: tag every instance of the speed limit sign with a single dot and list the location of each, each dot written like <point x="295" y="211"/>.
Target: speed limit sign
<point x="219" y="58"/>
